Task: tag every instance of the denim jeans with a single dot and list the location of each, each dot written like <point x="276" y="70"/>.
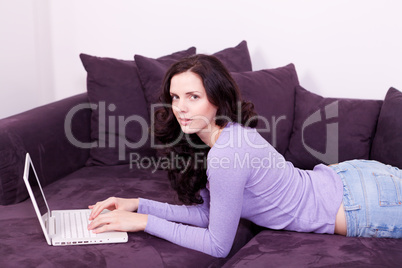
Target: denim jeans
<point x="372" y="198"/>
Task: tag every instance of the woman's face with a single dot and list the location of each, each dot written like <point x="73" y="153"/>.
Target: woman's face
<point x="191" y="107"/>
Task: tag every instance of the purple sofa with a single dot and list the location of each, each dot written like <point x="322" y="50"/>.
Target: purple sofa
<point x="91" y="146"/>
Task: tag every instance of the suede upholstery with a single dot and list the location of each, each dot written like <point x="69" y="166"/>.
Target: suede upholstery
<point x="355" y="121"/>
<point x="275" y="87"/>
<point x="387" y="144"/>
<point x="290" y="249"/>
<point x="39" y="132"/>
<point x="23" y="244"/>
<point x="73" y="179"/>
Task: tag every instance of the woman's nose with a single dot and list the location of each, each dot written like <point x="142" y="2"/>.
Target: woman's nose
<point x="182" y="106"/>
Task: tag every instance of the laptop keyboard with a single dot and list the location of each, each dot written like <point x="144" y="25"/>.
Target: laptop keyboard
<point x="74" y="225"/>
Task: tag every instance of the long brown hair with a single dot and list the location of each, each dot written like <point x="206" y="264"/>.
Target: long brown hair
<point x="223" y="92"/>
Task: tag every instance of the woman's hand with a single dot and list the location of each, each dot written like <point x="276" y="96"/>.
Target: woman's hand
<point x="113" y="203"/>
<point x="119" y="220"/>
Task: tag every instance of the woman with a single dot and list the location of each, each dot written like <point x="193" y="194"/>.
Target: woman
<point x="243" y="176"/>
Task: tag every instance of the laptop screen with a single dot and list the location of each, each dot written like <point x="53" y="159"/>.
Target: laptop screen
<point x="36" y="190"/>
<point x="37" y="197"/>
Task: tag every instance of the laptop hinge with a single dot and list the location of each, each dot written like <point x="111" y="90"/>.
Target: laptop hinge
<point x="52" y="226"/>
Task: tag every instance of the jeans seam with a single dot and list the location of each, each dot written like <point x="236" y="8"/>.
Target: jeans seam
<point x="351" y="226"/>
<point x="398" y="193"/>
<point x="363" y="182"/>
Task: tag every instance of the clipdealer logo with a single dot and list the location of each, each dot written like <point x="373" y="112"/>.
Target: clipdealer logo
<point x="116" y="126"/>
<point x="112" y="128"/>
<point x="331" y="153"/>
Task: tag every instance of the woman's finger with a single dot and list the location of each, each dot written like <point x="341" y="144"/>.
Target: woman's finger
<point x="96" y="210"/>
<point x="100" y="206"/>
<point x="99" y="222"/>
<point x="102" y="229"/>
<point x="94" y="213"/>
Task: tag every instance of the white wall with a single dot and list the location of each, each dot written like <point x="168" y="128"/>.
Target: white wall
<point x="25" y="63"/>
<point x="340" y="48"/>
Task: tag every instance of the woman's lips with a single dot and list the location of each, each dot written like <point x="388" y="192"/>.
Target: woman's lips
<point x="184" y="121"/>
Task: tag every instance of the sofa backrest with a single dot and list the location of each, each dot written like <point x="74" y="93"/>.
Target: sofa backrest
<point x="41" y="132"/>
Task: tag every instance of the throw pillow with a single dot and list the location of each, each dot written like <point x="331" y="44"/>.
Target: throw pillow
<point x="387" y="144"/>
<point x="119" y="120"/>
<point x="331" y="130"/>
<point x="273" y="93"/>
<point x="152" y="71"/>
<point x="236" y="59"/>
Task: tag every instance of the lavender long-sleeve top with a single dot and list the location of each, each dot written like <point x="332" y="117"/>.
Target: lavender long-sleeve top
<point x="248" y="178"/>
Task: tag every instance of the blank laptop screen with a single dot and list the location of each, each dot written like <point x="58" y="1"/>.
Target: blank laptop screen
<point x="37" y="192"/>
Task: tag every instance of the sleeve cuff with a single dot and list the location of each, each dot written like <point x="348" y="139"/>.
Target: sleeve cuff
<point x="143" y="206"/>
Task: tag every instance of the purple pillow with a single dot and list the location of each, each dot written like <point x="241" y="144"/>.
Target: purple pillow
<point x="236" y="59"/>
<point x="119" y="120"/>
<point x="273" y="93"/>
<point x="152" y="71"/>
<point x="387" y="143"/>
<point x="331" y="130"/>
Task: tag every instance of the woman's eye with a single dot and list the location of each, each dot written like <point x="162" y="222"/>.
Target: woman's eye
<point x="194" y="97"/>
<point x="174" y="97"/>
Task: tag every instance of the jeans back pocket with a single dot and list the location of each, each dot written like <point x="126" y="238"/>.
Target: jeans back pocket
<point x="389" y="188"/>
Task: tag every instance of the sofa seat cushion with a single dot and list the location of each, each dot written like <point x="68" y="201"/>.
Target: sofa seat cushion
<point x="21" y="231"/>
<point x="387" y="144"/>
<point x="290" y="249"/>
<point x="331" y="130"/>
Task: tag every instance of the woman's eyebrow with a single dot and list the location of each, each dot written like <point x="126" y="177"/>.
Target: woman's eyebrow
<point x="192" y="92"/>
<point x="187" y="93"/>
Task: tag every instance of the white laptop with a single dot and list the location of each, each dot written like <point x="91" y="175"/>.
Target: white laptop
<point x="64" y="227"/>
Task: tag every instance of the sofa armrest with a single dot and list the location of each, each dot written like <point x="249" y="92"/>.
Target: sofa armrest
<point x="45" y="132"/>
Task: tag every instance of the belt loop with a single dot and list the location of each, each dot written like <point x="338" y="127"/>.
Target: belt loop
<point x="350" y="208"/>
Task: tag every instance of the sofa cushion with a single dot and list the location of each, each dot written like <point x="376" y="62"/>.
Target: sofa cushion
<point x="291" y="249"/>
<point x="119" y="121"/>
<point x="236" y="59"/>
<point x="387" y="143"/>
<point x="331" y="130"/>
<point x="87" y="186"/>
<point x="152" y="71"/>
<point x="273" y="93"/>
